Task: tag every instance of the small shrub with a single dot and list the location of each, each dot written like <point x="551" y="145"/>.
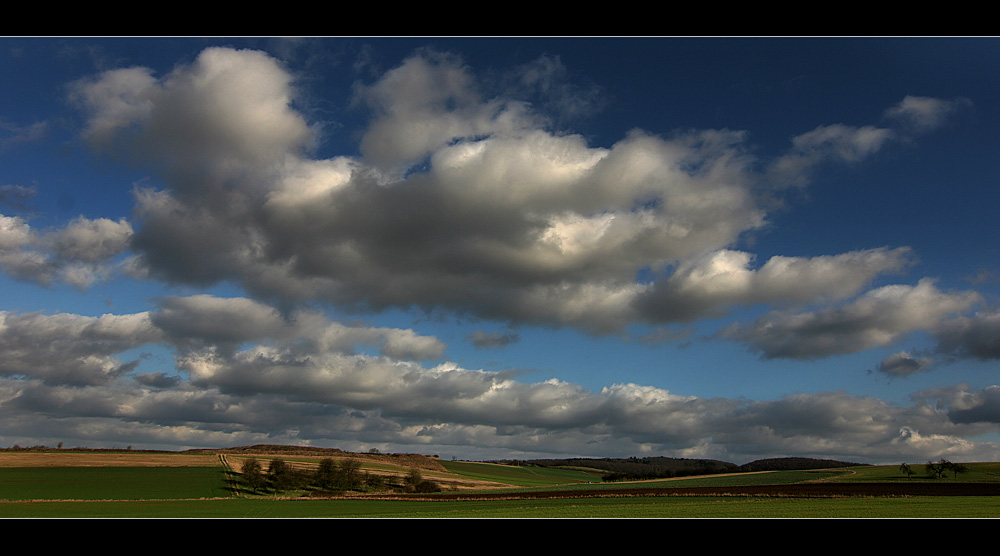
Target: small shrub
<point x="427" y="486"/>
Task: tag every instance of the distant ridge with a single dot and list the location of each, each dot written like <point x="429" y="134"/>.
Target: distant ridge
<point x="786" y="464"/>
<point x="620" y="469"/>
<point x="268" y="449"/>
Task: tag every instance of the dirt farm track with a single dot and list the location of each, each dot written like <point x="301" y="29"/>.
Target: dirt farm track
<point x="810" y="490"/>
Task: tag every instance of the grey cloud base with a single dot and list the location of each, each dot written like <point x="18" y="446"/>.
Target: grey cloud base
<point x="253" y="375"/>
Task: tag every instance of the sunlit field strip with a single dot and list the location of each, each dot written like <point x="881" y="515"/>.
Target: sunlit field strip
<point x="527" y="476"/>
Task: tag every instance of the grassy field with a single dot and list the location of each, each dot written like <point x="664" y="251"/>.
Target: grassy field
<point x="520" y="476"/>
<point x="126" y="487"/>
<point x="111" y="483"/>
<point x="976" y="473"/>
<point x="680" y="507"/>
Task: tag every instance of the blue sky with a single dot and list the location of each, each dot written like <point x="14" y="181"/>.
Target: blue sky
<point x="728" y="248"/>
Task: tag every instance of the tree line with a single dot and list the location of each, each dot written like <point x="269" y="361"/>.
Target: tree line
<point x="937" y="470"/>
<point x="329" y="476"/>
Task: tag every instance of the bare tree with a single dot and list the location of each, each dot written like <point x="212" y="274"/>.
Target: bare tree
<point x="345" y="474"/>
<point x="906" y="470"/>
<point x="327" y="474"/>
<point x="252" y="474"/>
<point x="350" y="473"/>
<point x="957" y="468"/>
<point x="280" y="475"/>
<point x="413" y="478"/>
<point x="937" y="470"/>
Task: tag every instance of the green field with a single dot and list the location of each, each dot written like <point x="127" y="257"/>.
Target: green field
<point x="520" y="476"/>
<point x="204" y="492"/>
<point x="111" y="483"/>
<point x="976" y="473"/>
<point x="681" y="507"/>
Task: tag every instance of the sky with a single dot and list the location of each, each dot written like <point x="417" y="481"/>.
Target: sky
<point x="485" y="248"/>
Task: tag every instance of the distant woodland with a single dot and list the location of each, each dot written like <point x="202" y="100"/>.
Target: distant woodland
<point x="632" y="469"/>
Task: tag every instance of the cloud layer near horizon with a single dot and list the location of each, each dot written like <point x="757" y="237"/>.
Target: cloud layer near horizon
<point x="256" y="375"/>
